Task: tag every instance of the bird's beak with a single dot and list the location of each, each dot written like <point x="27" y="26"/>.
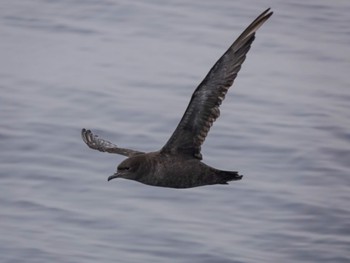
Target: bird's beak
<point x="113" y="176"/>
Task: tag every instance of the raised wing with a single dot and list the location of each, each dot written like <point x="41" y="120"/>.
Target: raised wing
<point x="203" y="108"/>
<point x="97" y="143"/>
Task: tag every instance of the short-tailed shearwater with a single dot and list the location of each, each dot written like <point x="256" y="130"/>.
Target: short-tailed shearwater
<point x="178" y="164"/>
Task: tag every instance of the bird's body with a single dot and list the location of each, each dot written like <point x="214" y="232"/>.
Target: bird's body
<point x="175" y="171"/>
<point x="178" y="164"/>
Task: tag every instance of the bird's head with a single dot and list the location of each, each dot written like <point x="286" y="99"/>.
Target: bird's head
<point x="129" y="169"/>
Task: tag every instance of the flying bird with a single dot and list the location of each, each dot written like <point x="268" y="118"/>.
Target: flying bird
<point x="178" y="164"/>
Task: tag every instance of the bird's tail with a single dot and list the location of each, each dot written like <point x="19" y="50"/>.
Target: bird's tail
<point x="226" y="176"/>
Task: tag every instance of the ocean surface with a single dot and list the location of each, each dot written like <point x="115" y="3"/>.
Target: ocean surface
<point x="126" y="70"/>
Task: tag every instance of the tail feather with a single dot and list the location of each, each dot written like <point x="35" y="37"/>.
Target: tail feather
<point x="226" y="176"/>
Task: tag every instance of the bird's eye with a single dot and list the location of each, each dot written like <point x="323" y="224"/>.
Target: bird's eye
<point x="124" y="168"/>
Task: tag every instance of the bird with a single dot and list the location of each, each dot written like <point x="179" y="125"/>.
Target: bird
<point x="178" y="164"/>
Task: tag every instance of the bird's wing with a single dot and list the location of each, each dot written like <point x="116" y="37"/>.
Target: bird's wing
<point x="203" y="108"/>
<point x="97" y="143"/>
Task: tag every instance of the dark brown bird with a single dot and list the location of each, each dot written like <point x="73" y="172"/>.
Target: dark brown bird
<point x="178" y="164"/>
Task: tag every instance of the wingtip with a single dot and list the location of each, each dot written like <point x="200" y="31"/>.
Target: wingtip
<point x="268" y="12"/>
<point x="264" y="15"/>
<point x="82" y="133"/>
<point x="85" y="134"/>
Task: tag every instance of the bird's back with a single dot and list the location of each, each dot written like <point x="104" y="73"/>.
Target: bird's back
<point x="179" y="171"/>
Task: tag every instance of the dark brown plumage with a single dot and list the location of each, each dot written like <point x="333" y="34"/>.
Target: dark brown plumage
<point x="178" y="163"/>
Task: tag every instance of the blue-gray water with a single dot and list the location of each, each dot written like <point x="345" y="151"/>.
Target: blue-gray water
<point x="127" y="69"/>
